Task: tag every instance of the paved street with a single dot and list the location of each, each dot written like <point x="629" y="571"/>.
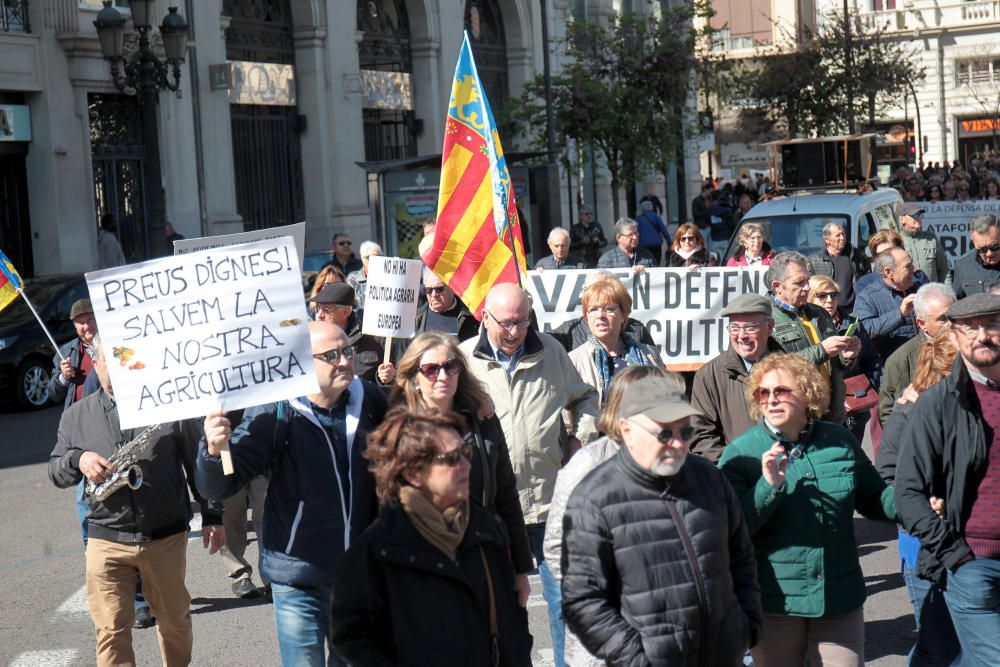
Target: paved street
<point x="44" y="619"/>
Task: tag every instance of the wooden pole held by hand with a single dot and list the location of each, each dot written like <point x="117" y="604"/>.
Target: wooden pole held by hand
<point x="386" y="358"/>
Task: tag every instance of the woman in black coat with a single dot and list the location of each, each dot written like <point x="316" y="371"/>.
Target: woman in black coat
<point x="688" y="249"/>
<point x="430" y="582"/>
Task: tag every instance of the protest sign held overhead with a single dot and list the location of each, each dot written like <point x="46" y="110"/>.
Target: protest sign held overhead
<point x="296" y="231"/>
<point x="391" y="296"/>
<point x="679" y="307"/>
<point x="188" y="334"/>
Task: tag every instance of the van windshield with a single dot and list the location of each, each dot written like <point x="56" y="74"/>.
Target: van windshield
<point x="803" y="233"/>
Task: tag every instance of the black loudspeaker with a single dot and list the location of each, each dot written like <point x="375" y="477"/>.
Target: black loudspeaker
<point x="810" y="164"/>
<point x="803" y="165"/>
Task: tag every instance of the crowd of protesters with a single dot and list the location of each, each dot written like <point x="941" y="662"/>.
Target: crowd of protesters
<point x="401" y="508"/>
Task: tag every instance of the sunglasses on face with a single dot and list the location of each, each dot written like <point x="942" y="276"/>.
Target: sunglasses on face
<point x="333" y="355"/>
<point x="688" y="238"/>
<point x="667" y="435"/>
<point x="433" y="371"/>
<point x="454" y="457"/>
<point x="828" y="296"/>
<point x="436" y="290"/>
<point x="780" y="394"/>
<point x="988" y="249"/>
<point x="343" y="243"/>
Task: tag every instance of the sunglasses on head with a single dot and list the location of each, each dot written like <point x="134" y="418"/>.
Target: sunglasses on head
<point x="454" y="457"/>
<point x="436" y="290"/>
<point x="333" y="355"/>
<point x="433" y="371"/>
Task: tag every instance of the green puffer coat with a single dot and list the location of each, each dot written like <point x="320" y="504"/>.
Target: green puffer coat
<point x="803" y="534"/>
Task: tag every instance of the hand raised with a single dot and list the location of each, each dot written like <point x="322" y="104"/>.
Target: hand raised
<point x="774" y="463"/>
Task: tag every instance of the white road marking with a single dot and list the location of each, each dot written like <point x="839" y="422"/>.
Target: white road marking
<point x="546" y="658"/>
<point x="74" y="606"/>
<point x="55" y="658"/>
<point x="195" y="528"/>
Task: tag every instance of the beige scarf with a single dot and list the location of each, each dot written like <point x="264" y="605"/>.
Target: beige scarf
<point x="444" y="530"/>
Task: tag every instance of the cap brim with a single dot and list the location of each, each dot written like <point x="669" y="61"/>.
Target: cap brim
<point x="665" y="413"/>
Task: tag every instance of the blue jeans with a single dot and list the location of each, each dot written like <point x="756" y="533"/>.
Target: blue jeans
<point x="550" y="591"/>
<point x="973" y="597"/>
<point x="937" y="644"/>
<point x="302" y="616"/>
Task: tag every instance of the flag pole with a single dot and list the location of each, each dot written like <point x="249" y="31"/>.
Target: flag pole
<point x="20" y="290"/>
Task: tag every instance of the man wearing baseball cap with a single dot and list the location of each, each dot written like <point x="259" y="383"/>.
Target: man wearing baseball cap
<point x="953" y="452"/>
<point x="719" y="390"/>
<point x="923" y="244"/>
<point x="657" y="562"/>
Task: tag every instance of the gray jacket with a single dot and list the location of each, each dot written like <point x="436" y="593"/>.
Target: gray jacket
<point x="971" y="277"/>
<point x="927" y="253"/>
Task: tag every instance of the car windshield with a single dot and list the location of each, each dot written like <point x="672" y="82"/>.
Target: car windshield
<point x="41" y="295"/>
<point x="314" y="261"/>
<point x="803" y="233"/>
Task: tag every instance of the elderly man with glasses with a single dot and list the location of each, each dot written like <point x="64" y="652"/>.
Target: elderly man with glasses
<point x="979" y="269"/>
<point x="545" y="408"/>
<point x="444" y="311"/>
<point x="321" y="495"/>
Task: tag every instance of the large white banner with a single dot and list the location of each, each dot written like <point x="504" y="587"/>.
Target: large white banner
<point x="679" y="307"/>
<point x="950" y="221"/>
<point x="187" y="334"/>
<point x="391" y="296"/>
<point x="297" y="231"/>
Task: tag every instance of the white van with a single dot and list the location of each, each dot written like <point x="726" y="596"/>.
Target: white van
<point x="795" y="221"/>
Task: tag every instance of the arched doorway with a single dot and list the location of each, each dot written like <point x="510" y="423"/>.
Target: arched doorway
<point x="267" y="157"/>
<point x="484" y="23"/>
<point x="387" y="75"/>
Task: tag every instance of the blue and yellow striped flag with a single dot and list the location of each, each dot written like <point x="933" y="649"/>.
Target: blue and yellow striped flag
<point x="10" y="282"/>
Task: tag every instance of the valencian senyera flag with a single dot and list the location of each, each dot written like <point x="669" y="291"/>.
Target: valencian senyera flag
<point x="477" y="240"/>
<point x="10" y="282"/>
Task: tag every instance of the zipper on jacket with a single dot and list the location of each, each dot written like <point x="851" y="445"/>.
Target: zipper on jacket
<point x="295" y="527"/>
<point x="696" y="571"/>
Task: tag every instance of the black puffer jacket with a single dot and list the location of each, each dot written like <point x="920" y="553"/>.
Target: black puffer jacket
<point x="398" y="600"/>
<point x="659" y="570"/>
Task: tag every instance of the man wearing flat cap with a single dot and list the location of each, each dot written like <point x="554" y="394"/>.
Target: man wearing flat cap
<point x="923" y="244"/>
<point x="953" y="452"/>
<point x="719" y="391"/>
<point x="335" y="303"/>
<point x="75" y="361"/>
<point x="657" y="562"/>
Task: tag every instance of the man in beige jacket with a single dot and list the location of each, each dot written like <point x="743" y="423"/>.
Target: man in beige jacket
<point x="547" y="411"/>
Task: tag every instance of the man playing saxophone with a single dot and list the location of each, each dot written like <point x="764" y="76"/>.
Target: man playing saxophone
<point x="142" y="530"/>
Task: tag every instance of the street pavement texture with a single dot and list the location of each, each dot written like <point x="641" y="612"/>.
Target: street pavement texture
<point x="44" y="620"/>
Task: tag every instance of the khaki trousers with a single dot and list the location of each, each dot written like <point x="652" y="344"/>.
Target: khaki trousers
<point x="111" y="570"/>
<point x="234" y="522"/>
<point x="831" y="641"/>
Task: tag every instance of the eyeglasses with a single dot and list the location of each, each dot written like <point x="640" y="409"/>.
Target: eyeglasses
<point x="780" y="394"/>
<point x="334" y="355"/>
<point x="344" y="243"/>
<point x="454" y="457"/>
<point x="827" y="296"/>
<point x="433" y="371"/>
<point x="597" y="311"/>
<point x="750" y="329"/>
<point x="972" y="330"/>
<point x="628" y="236"/>
<point x="329" y="308"/>
<point x="988" y="249"/>
<point x="436" y="290"/>
<point x="688" y="238"/>
<point x="666" y="435"/>
<point x="509" y="326"/>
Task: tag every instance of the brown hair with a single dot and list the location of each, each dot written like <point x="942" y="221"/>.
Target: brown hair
<point x="608" y="423"/>
<point x="884" y="236"/>
<point x="812" y="383"/>
<point x="406" y="441"/>
<point x="684" y="229"/>
<point x="470" y="393"/>
<point x="610" y="290"/>
<point x="328" y="275"/>
<point x="934" y="361"/>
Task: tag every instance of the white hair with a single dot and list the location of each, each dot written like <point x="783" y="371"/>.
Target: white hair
<point x="932" y="292"/>
<point x="558" y="231"/>
<point x="369" y="248"/>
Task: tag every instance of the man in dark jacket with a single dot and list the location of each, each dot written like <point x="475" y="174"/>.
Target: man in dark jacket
<point x="321" y="494"/>
<point x="142" y="531"/>
<point x="719" y="390"/>
<point x="953" y="453"/>
<point x="699" y="210"/>
<point x="343" y="255"/>
<point x="658" y="566"/>
<point x="838" y="260"/>
<point x="587" y="237"/>
<point x="979" y="269"/>
<point x="444" y="311"/>
<point x="75" y="360"/>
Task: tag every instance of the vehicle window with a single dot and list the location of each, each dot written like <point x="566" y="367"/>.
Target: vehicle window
<point x="866" y="229"/>
<point x="76" y="291"/>
<point x="803" y="233"/>
<point x="885" y="217"/>
<point x="316" y="261"/>
<point x="41" y="295"/>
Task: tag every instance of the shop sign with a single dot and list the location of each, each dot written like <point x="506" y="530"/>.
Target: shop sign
<point x="978" y="127"/>
<point x="271" y="84"/>
<point x="386" y="90"/>
<point x="15" y="122"/>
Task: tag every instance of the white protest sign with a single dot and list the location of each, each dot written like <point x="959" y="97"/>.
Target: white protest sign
<point x="679" y="307"/>
<point x="391" y="296"/>
<point x="296" y="231"/>
<point x="950" y="221"/>
<point x="187" y="334"/>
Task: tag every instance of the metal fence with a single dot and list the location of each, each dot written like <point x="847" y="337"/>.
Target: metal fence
<point x="14" y="16"/>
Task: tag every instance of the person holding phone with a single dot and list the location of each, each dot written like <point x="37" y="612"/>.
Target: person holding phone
<point x="799" y="480"/>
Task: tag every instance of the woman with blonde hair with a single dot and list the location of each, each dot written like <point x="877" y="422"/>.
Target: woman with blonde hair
<point x="800" y="480"/>
<point x="688" y="249"/>
<point x="433" y="374"/>
<point x="606" y="307"/>
<point x="582" y="463"/>
<point x="753" y="250"/>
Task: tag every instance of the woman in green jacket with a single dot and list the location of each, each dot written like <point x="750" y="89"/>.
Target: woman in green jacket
<point x="800" y="480"/>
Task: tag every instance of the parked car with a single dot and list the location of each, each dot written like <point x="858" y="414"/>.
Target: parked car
<point x="796" y="221"/>
<point x="25" y="352"/>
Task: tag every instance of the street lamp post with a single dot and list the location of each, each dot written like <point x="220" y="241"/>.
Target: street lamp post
<point x="144" y="75"/>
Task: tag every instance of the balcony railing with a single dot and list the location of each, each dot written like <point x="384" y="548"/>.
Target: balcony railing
<point x="14" y="16"/>
<point x="926" y="15"/>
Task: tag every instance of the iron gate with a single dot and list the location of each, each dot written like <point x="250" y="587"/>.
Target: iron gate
<point x="15" y="223"/>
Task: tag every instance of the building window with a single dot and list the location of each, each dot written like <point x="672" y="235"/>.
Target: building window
<point x="881" y="5"/>
<point x="14" y="16"/>
<point x="978" y="70"/>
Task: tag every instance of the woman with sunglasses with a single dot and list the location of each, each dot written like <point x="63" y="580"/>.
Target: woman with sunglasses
<point x="429" y="583"/>
<point x="609" y="350"/>
<point x="800" y="481"/>
<point x="688" y="249"/>
<point x="433" y="374"/>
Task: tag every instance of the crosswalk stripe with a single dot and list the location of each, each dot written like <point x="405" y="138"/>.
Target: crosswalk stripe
<point x="75" y="605"/>
<point x="53" y="658"/>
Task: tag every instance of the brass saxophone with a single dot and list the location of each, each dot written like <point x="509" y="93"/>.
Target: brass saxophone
<point x="127" y="470"/>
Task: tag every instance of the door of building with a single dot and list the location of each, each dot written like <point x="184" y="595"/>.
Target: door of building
<point x="15" y="223"/>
